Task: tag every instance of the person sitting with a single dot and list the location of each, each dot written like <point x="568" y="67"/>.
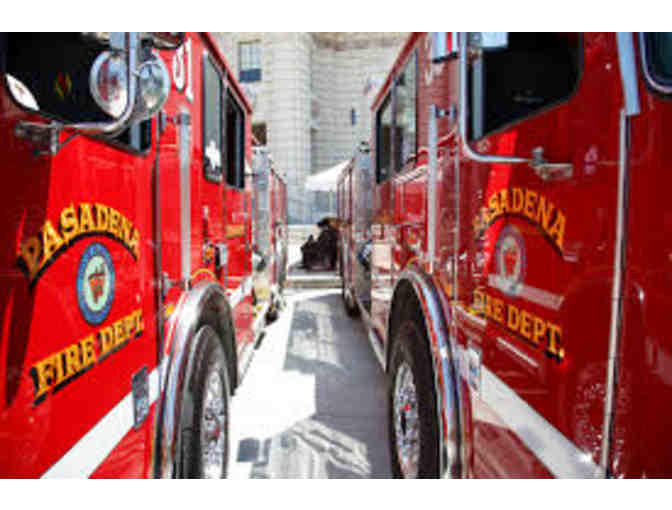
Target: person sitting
<point x="324" y="250"/>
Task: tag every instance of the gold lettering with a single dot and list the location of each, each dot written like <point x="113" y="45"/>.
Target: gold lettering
<point x="72" y="360"/>
<point x="504" y="201"/>
<point x="106" y="340"/>
<point x="526" y="324"/>
<point x="539" y="329"/>
<point x="88" y="351"/>
<point x="494" y="205"/>
<point x="530" y="203"/>
<point x="133" y="245"/>
<point x="518" y="200"/>
<point x="60" y="372"/>
<point x="498" y="310"/>
<point x="125" y="230"/>
<point x="102" y="217"/>
<point x="115" y="227"/>
<point x="86" y="223"/>
<point x="554" y="335"/>
<point x="557" y="231"/>
<point x="51" y="241"/>
<point x="69" y="223"/>
<point x="30" y="252"/>
<point x="44" y="375"/>
<point x="119" y="332"/>
<point x="513" y="320"/>
<point x="544" y="212"/>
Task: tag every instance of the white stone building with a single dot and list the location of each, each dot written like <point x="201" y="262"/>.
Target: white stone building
<point x="311" y="93"/>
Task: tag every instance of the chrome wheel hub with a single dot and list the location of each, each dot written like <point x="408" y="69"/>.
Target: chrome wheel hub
<point x="406" y="421"/>
<point x="214" y="427"/>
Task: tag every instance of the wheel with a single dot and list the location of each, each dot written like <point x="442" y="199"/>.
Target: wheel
<point x="206" y="449"/>
<point x="349" y="302"/>
<point x="412" y="419"/>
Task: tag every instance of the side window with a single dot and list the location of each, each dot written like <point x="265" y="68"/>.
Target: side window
<point x="658" y="60"/>
<point x="405" y="101"/>
<point x="235" y="143"/>
<point x="384" y="140"/>
<point x="212" y="121"/>
<point x="534" y="72"/>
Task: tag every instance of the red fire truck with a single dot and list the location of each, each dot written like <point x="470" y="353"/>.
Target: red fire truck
<point x="126" y="273"/>
<point x="519" y="287"/>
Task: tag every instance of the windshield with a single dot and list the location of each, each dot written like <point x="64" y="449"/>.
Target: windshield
<point x="658" y="52"/>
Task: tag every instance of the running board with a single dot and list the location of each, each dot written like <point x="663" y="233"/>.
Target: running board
<point x="376" y="346"/>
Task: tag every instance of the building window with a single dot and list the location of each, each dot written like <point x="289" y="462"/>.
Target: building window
<point x="250" y="61"/>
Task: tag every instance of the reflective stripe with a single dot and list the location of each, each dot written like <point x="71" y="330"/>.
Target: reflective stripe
<point x="94" y="446"/>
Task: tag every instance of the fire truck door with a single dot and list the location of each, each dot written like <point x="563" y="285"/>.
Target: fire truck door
<point x="536" y="250"/>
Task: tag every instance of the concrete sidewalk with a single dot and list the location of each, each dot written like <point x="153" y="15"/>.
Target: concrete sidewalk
<point x="312" y="404"/>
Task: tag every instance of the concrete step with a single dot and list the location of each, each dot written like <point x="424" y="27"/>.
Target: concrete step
<point x="302" y="279"/>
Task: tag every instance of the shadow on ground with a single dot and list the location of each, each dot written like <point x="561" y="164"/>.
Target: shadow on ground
<point x="346" y="435"/>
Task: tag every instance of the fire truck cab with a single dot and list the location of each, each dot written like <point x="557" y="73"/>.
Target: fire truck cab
<point x="519" y="287"/>
<point x="126" y="271"/>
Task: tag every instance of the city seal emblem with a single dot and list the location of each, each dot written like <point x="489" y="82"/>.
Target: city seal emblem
<point x="95" y="283"/>
<point x="510" y="261"/>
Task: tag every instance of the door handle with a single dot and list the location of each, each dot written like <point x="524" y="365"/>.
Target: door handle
<point x="549" y="171"/>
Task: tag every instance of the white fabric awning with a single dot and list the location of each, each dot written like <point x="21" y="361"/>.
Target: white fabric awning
<point x="327" y="179"/>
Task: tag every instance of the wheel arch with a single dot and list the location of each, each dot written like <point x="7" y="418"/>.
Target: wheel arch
<point x="415" y="288"/>
<point x="205" y="305"/>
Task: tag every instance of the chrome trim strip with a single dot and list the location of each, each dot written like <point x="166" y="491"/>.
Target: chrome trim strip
<point x="445" y="370"/>
<point x="628" y="68"/>
<point x="535" y="295"/>
<point x="616" y="291"/>
<point x="93" y="447"/>
<point x="562" y="457"/>
<point x="656" y="86"/>
<point x="185" y="199"/>
<point x="431" y="184"/>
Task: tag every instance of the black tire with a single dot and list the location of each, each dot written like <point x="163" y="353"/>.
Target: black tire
<point x="411" y="349"/>
<point x="209" y="364"/>
<point x="349" y="303"/>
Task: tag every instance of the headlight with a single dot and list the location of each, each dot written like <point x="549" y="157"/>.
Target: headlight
<point x="153" y="88"/>
<point x="108" y="83"/>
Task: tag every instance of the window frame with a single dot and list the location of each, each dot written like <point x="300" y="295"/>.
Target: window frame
<point x="216" y="177"/>
<point x="400" y="165"/>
